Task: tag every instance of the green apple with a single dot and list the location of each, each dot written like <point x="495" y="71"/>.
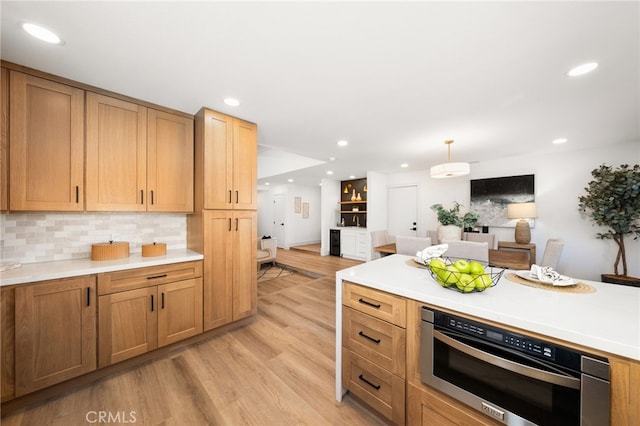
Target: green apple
<point x="462" y="266"/>
<point x="465" y="283"/>
<point x="437" y="265"/>
<point x="483" y="281"/>
<point x="450" y="275"/>
<point x="476" y="268"/>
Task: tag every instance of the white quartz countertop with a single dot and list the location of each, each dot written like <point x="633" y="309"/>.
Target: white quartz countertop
<point x="607" y="320"/>
<point x="42" y="271"/>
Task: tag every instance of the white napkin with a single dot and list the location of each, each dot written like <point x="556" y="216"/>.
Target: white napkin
<point x="431" y="252"/>
<point x="545" y="274"/>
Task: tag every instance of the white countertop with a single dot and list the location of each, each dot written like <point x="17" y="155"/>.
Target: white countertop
<point x="607" y="320"/>
<point x="42" y="271"/>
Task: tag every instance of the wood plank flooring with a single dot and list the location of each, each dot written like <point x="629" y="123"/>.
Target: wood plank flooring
<point x="278" y="370"/>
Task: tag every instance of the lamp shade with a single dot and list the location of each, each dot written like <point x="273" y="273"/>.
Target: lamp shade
<point x="521" y="211"/>
<point x="446" y="170"/>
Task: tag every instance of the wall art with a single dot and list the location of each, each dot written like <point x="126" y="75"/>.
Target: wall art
<point x="489" y="198"/>
<point x="298" y="204"/>
<point x="305" y="210"/>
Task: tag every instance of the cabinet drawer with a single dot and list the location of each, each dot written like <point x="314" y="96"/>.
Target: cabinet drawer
<point x="378" y="341"/>
<point x="384" y="306"/>
<point x="130" y="279"/>
<point x="380" y="389"/>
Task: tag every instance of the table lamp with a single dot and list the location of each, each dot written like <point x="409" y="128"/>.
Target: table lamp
<point x="522" y="211"/>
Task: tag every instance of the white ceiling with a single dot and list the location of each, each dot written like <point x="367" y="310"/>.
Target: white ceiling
<point x="395" y="79"/>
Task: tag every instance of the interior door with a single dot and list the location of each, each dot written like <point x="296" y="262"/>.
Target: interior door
<point x="278" y="219"/>
<point x="402" y="210"/>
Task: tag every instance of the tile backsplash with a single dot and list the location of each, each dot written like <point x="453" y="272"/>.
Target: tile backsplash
<point x="43" y="237"/>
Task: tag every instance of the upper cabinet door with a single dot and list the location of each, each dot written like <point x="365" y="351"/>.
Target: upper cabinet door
<point x="245" y="165"/>
<point x="46" y="144"/>
<point x="218" y="160"/>
<point x="169" y="162"/>
<point x="116" y="155"/>
<point x="226" y="171"/>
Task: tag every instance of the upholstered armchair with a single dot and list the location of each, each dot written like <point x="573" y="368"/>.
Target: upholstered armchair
<point x="267" y="250"/>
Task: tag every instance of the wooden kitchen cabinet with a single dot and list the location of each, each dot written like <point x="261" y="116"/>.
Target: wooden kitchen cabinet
<point x="7" y="343"/>
<point x="226" y="149"/>
<point x="374" y="349"/>
<point x="116" y="154"/>
<point x="138" y="158"/>
<point x="46" y="144"/>
<point x="4" y="139"/>
<point x="147" y="308"/>
<point x="229" y="240"/>
<point x="55" y="332"/>
<point x="169" y="162"/>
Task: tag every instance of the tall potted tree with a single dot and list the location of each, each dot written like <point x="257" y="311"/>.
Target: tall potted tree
<point x="613" y="201"/>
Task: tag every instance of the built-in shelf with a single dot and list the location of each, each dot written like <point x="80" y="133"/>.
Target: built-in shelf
<point x="353" y="202"/>
<point x="353" y="211"/>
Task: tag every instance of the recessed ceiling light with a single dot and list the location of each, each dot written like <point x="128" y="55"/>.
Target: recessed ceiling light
<point x="329" y="172"/>
<point x="41" y="33"/>
<point x="404" y="165"/>
<point x="343" y="143"/>
<point x="582" y="69"/>
<point x="267" y="183"/>
<point x="559" y="141"/>
<point x="332" y="158"/>
<point x="352" y="177"/>
<point x="289" y="180"/>
<point x="232" y="102"/>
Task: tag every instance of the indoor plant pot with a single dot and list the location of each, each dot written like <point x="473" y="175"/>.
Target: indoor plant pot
<point x="613" y="202"/>
<point x="452" y="222"/>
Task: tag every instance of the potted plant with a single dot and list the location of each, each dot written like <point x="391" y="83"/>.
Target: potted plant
<point x="452" y="222"/>
<point x="613" y="201"/>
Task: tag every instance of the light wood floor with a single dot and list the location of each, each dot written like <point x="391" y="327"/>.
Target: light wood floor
<point x="278" y="370"/>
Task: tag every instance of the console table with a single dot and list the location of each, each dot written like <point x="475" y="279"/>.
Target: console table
<point x="529" y="248"/>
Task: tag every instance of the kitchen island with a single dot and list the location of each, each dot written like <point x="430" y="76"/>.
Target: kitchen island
<point x="606" y="321"/>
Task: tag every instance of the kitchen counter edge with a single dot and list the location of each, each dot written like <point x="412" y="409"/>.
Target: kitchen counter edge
<point x="59" y="269"/>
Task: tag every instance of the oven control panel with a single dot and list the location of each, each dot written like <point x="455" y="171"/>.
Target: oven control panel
<point x="502" y="337"/>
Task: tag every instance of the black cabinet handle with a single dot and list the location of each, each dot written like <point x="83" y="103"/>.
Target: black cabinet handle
<point x="364" y="302"/>
<point x="151" y="197"/>
<point x="229" y="196"/>
<point x="88" y="296"/>
<point x="153" y="277"/>
<point x="368" y="337"/>
<point x="376" y="387"/>
<point x="229" y="224"/>
<point x="162" y="301"/>
<point x="77" y="194"/>
<point x="236" y="224"/>
<point x="142" y="196"/>
<point x="237" y="197"/>
<point x="152" y="303"/>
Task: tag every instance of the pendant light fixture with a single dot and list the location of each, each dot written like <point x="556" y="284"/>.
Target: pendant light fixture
<point x="449" y="169"/>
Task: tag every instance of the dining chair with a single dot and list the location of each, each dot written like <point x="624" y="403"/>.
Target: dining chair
<point x="481" y="238"/>
<point x="411" y="245"/>
<point x="380" y="238"/>
<point x="471" y="250"/>
<point x="552" y="252"/>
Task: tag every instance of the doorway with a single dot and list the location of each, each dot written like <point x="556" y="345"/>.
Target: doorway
<point x="402" y="210"/>
<point x="277" y="230"/>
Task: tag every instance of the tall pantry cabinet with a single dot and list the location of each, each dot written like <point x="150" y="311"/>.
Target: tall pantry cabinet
<point x="224" y="224"/>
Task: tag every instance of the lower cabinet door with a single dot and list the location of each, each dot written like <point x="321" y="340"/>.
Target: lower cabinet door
<point x="379" y="388"/>
<point x="55" y="333"/>
<point x="179" y="310"/>
<point x="128" y="324"/>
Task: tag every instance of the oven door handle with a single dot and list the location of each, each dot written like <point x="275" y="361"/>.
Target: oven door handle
<point x="535" y="373"/>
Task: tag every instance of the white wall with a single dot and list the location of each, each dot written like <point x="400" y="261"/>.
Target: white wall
<point x="330" y="211"/>
<point x="298" y="231"/>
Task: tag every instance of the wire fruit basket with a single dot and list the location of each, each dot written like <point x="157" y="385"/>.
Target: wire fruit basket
<point x="464" y="275"/>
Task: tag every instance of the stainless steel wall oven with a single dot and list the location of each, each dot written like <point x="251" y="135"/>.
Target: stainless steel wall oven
<point x="515" y="379"/>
